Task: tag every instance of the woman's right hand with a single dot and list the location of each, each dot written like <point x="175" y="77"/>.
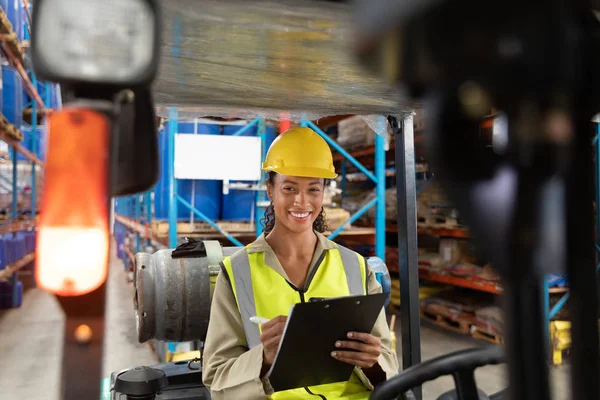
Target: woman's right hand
<point x="270" y="338"/>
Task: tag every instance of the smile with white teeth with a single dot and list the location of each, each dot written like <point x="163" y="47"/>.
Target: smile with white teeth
<point x="300" y="215"/>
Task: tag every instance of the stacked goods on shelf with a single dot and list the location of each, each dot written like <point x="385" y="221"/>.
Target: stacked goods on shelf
<point x="24" y="187"/>
<point x="433" y="208"/>
<point x="560" y="340"/>
<point x="454" y="309"/>
<point x="355" y="132"/>
<point x="425" y="291"/>
<point x="6" y="295"/>
<point x="12" y="26"/>
<point x="489" y="324"/>
<point x="336" y="217"/>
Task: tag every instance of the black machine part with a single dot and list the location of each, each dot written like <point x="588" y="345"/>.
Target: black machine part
<point x="141" y="383"/>
<point x="183" y="382"/>
<point x="530" y="209"/>
<point x="461" y="365"/>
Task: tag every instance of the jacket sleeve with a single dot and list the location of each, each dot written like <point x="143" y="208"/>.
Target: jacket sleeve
<point x="388" y="360"/>
<point x="230" y="370"/>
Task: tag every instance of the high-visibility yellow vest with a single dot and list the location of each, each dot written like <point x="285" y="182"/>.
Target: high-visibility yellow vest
<point x="259" y="290"/>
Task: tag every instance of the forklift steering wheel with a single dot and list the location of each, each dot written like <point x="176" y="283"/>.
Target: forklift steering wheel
<point x="461" y="365"/>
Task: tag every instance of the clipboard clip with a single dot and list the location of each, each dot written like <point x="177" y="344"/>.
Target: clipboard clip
<point x="317" y="299"/>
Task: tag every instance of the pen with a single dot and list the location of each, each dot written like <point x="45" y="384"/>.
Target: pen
<point x="258" y="320"/>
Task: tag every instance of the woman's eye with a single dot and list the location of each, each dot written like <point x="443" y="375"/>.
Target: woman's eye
<point x="287" y="189"/>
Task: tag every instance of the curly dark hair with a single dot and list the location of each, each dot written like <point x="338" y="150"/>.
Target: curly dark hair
<point x="268" y="221"/>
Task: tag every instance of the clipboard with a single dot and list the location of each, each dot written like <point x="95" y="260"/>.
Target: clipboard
<point x="304" y="355"/>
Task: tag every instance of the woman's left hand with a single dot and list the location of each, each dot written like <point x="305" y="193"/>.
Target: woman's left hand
<point x="365" y="350"/>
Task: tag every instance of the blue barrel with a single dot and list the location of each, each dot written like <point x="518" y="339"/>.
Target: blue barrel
<point x="206" y="194"/>
<point x="14" y="12"/>
<point x="238" y="205"/>
<point x="12" y="95"/>
<point x="19" y="245"/>
<point x="30" y="240"/>
<point x="6" y="295"/>
<point x="9" y="248"/>
<point x="40" y="138"/>
<point x="19" y="301"/>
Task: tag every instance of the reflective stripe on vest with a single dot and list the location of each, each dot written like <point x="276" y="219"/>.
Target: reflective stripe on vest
<point x="242" y="266"/>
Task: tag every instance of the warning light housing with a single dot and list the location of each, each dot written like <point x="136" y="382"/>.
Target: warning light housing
<point x="73" y="230"/>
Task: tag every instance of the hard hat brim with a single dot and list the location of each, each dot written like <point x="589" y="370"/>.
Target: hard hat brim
<point x="304" y="172"/>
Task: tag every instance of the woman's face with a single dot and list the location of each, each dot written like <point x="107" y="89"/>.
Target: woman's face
<point x="297" y="201"/>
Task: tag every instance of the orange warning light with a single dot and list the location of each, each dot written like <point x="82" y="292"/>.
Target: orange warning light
<point x="73" y="229"/>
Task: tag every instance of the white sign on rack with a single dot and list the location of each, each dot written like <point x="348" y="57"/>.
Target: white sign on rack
<point x="217" y="157"/>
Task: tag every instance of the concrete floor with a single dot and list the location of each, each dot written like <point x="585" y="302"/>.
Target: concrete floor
<point x="31" y="338"/>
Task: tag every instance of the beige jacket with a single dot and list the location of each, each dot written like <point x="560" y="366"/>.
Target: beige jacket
<point x="230" y="370"/>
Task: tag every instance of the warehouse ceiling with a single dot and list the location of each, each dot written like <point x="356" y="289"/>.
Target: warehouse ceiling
<point x="240" y="58"/>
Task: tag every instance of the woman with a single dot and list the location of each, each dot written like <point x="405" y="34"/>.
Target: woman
<point x="291" y="262"/>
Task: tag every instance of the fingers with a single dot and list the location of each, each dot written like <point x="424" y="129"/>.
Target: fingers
<point x="273" y="328"/>
<point x="363" y="360"/>
<point x="365" y="338"/>
<point x="363" y="350"/>
<point x="274" y="322"/>
<point x="374" y="350"/>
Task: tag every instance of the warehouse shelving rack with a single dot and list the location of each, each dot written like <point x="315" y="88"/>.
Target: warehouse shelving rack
<point x="424" y="275"/>
<point x="12" y="50"/>
<point x="143" y="229"/>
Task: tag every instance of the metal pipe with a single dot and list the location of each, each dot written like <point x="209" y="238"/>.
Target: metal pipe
<point x="597" y="149"/>
<point x="259" y="194"/>
<point x="193" y="196"/>
<point x="33" y="140"/>
<point x="15" y="193"/>
<point x="559" y="304"/>
<point x="209" y="221"/>
<point x="380" y="191"/>
<point x="406" y="198"/>
<point x="172" y="130"/>
<point x="339" y="149"/>
<point x="344" y="181"/>
<point x="15" y="216"/>
<point x="247" y="127"/>
<point x="148" y="205"/>
<point x="353" y="218"/>
<point x="138" y="217"/>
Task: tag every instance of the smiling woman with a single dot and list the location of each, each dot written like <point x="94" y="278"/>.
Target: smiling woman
<point x="291" y="262"/>
<point x="288" y="185"/>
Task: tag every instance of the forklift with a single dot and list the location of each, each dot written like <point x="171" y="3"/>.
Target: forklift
<point x="529" y="204"/>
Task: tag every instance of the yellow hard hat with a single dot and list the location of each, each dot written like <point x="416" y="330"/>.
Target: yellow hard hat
<point x="300" y="152"/>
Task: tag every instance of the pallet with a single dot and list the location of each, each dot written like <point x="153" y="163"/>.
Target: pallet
<point x="9" y="129"/>
<point x="5" y="24"/>
<point x="481" y="334"/>
<point x="161" y="228"/>
<point x="453" y="324"/>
